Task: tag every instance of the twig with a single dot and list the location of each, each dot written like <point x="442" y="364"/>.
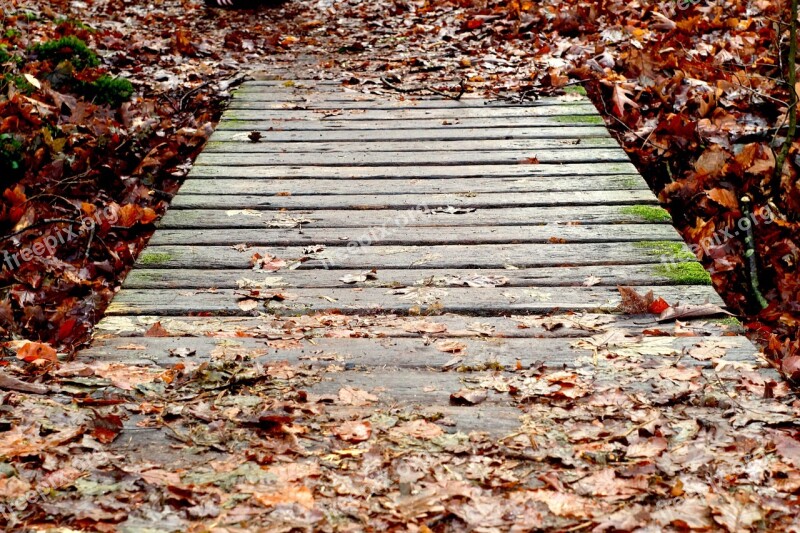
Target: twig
<point x="182" y="103"/>
<point x="750" y="254"/>
<point x="792" y="82"/>
<point x="38" y="224"/>
<point x="462" y="84"/>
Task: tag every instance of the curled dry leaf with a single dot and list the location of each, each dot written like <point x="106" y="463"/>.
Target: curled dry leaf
<point x="354" y="431"/>
<point x="468" y="397"/>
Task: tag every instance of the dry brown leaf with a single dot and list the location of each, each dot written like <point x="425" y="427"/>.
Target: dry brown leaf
<point x="354" y="431"/>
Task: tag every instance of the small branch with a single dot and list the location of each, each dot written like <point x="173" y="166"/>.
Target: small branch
<point x="39" y="224"/>
<point x="750" y="254"/>
<point x="792" y="81"/>
<point x="462" y="89"/>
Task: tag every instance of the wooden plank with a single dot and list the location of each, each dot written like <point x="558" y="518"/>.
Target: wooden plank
<point x="417" y="201"/>
<point x="314" y="187"/>
<point x="421" y="256"/>
<point x="405" y="113"/>
<point x="401" y="353"/>
<point x="400" y="218"/>
<point x="243" y="101"/>
<point x="398" y="135"/>
<point x="457" y="326"/>
<point x="254" y="121"/>
<point x="608" y="275"/>
<point x="472" y="301"/>
<point x="417" y="171"/>
<point x="433" y="158"/>
<point x="267" y="146"/>
<point x="420" y="236"/>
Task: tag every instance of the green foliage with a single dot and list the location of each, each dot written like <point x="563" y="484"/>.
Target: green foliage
<point x="17" y="81"/>
<point x="647" y="212"/>
<point x="75" y="23"/>
<point x="12" y="33"/>
<point x="109" y="90"/>
<point x="68" y="48"/>
<point x="11" y="149"/>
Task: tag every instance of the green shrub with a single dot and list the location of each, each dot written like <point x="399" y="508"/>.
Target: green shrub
<point x="68" y="48"/>
<point x="109" y="90"/>
<point x="10" y="153"/>
<point x="19" y="82"/>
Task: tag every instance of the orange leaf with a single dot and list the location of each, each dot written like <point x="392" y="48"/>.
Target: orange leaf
<point x="32" y="351"/>
<point x="658" y="306"/>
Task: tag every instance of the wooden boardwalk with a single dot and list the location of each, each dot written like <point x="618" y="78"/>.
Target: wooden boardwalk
<point x="408" y="239"/>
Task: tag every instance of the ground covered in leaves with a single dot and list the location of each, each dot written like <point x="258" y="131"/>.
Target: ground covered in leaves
<point x="630" y="436"/>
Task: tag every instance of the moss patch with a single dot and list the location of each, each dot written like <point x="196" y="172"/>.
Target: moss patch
<point x="109" y="90"/>
<point x="647" y="212"/>
<point x="68" y="48"/>
<point x="575" y="89"/>
<point x="579" y="119"/>
<point x="690" y="273"/>
<point x="669" y="249"/>
<point x="731" y="322"/>
<point x="154" y="258"/>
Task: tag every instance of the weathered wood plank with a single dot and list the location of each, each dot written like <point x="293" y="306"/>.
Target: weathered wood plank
<point x="401" y="135"/>
<point x="267" y="146"/>
<point x="314" y="187"/>
<point x="335" y="101"/>
<point x="417" y="171"/>
<point x="403" y="353"/>
<point x="405" y="113"/>
<point x="418" y="201"/>
<point x="421" y="256"/>
<point x="433" y="158"/>
<point x="608" y="275"/>
<point x="400" y="218"/>
<point x="472" y="301"/>
<point x="254" y="121"/>
<point x="457" y="326"/>
<point x="419" y="236"/>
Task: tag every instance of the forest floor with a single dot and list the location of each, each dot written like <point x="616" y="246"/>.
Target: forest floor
<point x="694" y="92"/>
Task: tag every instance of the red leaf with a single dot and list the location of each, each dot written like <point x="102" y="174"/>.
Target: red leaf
<point x="658" y="306"/>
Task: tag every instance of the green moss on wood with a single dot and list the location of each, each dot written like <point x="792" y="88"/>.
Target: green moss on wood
<point x="154" y="258"/>
<point x="730" y="321"/>
<point x="689" y="273"/>
<point x="575" y="89"/>
<point x="579" y="119"/>
<point x="665" y="249"/>
<point x="648" y="213"/>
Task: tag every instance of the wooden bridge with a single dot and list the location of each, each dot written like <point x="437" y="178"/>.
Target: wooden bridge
<point x="416" y="245"/>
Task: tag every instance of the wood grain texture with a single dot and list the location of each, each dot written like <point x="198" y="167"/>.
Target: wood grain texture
<point x="403" y="135"/>
<point x="265" y="145"/>
<point x="419" y="236"/>
<point x="357" y="253"/>
<point x="418" y="171"/>
<point x="561" y="276"/>
<point x="321" y="186"/>
<point x="471" y="301"/>
<point x="395" y="219"/>
<point x="418" y="201"/>
<point x="432" y="158"/>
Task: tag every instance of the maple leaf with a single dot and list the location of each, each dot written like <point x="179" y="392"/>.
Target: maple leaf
<point x="621" y="98"/>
